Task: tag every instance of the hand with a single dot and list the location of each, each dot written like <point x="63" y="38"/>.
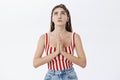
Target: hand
<point x="60" y="46"/>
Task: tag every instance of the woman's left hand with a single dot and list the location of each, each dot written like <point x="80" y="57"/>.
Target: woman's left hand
<point x="61" y="45"/>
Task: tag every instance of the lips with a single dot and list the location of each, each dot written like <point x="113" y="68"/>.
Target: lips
<point x="59" y="20"/>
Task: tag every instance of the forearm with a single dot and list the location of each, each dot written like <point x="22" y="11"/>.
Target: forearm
<point x="77" y="60"/>
<point x="40" y="61"/>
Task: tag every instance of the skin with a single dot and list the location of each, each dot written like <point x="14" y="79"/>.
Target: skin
<point x="59" y="38"/>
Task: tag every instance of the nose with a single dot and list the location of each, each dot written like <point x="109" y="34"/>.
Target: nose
<point x="59" y="16"/>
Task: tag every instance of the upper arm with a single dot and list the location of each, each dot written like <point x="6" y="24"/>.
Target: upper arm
<point x="79" y="47"/>
<point x="40" y="46"/>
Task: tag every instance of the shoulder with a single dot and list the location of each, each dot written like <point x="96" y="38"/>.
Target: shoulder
<point x="77" y="37"/>
<point x="42" y="37"/>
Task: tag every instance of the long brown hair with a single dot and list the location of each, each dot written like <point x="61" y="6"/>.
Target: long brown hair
<point x="68" y="26"/>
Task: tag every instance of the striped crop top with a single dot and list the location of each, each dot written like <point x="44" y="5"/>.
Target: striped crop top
<point x="59" y="62"/>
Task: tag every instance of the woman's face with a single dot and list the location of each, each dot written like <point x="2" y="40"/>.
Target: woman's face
<point x="59" y="17"/>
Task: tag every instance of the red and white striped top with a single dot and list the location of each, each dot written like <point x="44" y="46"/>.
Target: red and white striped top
<point x="59" y="62"/>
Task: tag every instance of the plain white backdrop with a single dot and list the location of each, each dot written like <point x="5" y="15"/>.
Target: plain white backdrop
<point x="23" y="21"/>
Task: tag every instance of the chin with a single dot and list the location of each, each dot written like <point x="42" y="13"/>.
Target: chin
<point x="59" y="24"/>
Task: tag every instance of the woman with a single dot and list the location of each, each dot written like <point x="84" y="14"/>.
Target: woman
<point x="59" y="46"/>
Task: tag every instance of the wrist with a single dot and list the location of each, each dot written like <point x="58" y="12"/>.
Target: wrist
<point x="62" y="52"/>
<point x="57" y="52"/>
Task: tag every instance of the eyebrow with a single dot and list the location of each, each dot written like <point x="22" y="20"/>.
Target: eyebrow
<point x="60" y="11"/>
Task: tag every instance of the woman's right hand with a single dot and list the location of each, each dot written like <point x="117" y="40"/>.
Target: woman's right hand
<point x="59" y="44"/>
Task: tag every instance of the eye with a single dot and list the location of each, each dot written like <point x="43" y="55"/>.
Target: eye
<point x="55" y="13"/>
<point x="63" y="13"/>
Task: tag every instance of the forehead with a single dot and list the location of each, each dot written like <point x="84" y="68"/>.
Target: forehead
<point x="59" y="9"/>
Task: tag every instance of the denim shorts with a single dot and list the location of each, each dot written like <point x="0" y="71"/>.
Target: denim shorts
<point x="68" y="74"/>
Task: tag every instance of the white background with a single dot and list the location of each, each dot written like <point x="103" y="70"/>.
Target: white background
<point x="23" y="21"/>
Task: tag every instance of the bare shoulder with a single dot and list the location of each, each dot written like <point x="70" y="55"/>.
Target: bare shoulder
<point x="77" y="37"/>
<point x="42" y="38"/>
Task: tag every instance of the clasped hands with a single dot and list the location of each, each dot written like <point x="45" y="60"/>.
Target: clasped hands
<point x="60" y="45"/>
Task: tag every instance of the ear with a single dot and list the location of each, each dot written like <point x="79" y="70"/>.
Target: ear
<point x="52" y="19"/>
<point x="67" y="19"/>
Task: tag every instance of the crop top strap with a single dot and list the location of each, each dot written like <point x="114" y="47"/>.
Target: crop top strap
<point x="73" y="39"/>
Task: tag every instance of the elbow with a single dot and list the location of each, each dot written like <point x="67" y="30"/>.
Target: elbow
<point x="35" y="64"/>
<point x="83" y="65"/>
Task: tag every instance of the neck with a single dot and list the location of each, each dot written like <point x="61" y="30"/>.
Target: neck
<point x="59" y="29"/>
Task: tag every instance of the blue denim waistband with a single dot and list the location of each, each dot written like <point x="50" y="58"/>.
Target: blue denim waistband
<point x="61" y="71"/>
